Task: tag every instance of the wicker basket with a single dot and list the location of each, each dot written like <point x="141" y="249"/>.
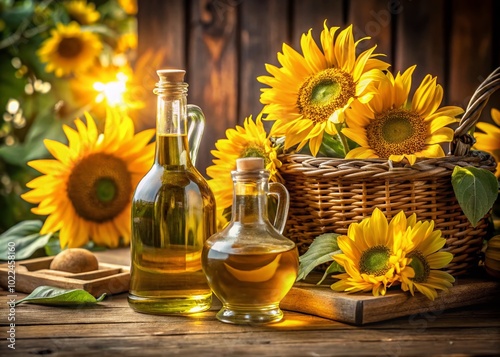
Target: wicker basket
<point x="328" y="194"/>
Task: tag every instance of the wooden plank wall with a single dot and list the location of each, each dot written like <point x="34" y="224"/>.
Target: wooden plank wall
<point x="224" y="44"/>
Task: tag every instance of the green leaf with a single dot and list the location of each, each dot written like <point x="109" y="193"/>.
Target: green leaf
<point x="26" y="237"/>
<point x="476" y="190"/>
<point x="321" y="251"/>
<point x="332" y="268"/>
<point x="49" y="295"/>
<point x="53" y="246"/>
<point x="15" y="15"/>
<point x="331" y="147"/>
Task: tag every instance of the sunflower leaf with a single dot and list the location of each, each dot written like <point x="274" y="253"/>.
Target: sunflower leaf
<point x="24" y="238"/>
<point x="331" y="147"/>
<point x="332" y="268"/>
<point x="476" y="190"/>
<point x="49" y="295"/>
<point x="321" y="251"/>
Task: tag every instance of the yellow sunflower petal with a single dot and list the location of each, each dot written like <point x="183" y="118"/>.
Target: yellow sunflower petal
<point x="424" y="95"/>
<point x="433" y="150"/>
<point x="402" y="84"/>
<point x="310" y="90"/>
<point x="48" y="167"/>
<point x="91" y="129"/>
<point x="70" y="211"/>
<point x="73" y="140"/>
<point x="349" y="249"/>
<point x="60" y="151"/>
<point x="314" y="58"/>
<point x="379" y="228"/>
<point x="361" y="153"/>
<point x="430" y="293"/>
<point x="52" y="224"/>
<point x="439" y="260"/>
<point x="441" y="135"/>
<point x="495" y="115"/>
<point x="85" y="48"/>
<point x="344" y="50"/>
<point x="327" y="39"/>
<point x="355" y="135"/>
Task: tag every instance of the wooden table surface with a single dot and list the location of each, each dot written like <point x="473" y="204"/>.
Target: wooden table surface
<point x="111" y="328"/>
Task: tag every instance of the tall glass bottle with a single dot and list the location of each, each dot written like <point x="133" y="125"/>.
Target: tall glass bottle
<point x="250" y="265"/>
<point x="173" y="211"/>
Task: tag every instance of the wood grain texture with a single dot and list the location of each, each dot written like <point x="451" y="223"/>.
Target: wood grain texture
<point x="426" y="47"/>
<point x="264" y="28"/>
<point x="112" y="328"/>
<point x="161" y="29"/>
<point x="161" y="25"/>
<point x="361" y="309"/>
<point x="213" y="69"/>
<point x="470" y="48"/>
<point x="375" y="19"/>
<point x="312" y="15"/>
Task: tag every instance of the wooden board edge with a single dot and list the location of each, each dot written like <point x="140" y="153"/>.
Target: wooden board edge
<point x="361" y="309"/>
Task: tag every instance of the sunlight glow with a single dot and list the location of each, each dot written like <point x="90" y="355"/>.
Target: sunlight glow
<point x="112" y="92"/>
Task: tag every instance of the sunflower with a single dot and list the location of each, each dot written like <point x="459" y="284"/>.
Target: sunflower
<point x="389" y="127"/>
<point x="426" y="261"/>
<point x="249" y="140"/>
<point x="373" y="254"/>
<point x="309" y="94"/>
<point x="86" y="191"/>
<point x="68" y="49"/>
<point x="102" y="87"/>
<point x="81" y="12"/>
<point x="126" y="42"/>
<point x="129" y="6"/>
<point x="489" y="140"/>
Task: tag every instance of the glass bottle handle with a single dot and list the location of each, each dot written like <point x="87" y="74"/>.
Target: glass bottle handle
<point x="196" y="127"/>
<point x="281" y="193"/>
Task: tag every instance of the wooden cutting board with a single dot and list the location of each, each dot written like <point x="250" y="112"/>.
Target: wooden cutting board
<point x="32" y="273"/>
<point x="363" y="308"/>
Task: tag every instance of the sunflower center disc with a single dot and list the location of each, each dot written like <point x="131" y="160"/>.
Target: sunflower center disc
<point x="374" y="261"/>
<point x="70" y="47"/>
<point x="105" y="190"/>
<point x="99" y="187"/>
<point x="397" y="132"/>
<point x="325" y="92"/>
<point x="420" y="266"/>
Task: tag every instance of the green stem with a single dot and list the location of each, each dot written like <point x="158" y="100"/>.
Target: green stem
<point x="342" y="138"/>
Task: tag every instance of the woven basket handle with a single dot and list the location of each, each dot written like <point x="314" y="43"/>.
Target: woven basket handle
<point x="462" y="140"/>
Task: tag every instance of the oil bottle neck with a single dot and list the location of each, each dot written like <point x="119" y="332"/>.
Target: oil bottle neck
<point x="171" y="111"/>
<point x="172" y="146"/>
<point x="250" y="197"/>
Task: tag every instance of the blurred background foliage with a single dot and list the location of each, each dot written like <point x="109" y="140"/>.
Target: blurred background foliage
<point x="35" y="103"/>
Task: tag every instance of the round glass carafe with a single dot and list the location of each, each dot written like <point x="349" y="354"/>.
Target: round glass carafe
<point x="250" y="265"/>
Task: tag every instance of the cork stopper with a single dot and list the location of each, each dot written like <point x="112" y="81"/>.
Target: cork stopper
<point x="250" y="164"/>
<point x="171" y="75"/>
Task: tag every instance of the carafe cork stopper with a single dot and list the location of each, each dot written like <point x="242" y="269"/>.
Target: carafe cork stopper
<point x="250" y="164"/>
<point x="171" y="75"/>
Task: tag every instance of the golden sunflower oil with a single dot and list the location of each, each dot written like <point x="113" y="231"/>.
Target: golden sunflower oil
<point x="260" y="274"/>
<point x="250" y="265"/>
<point x="173" y="213"/>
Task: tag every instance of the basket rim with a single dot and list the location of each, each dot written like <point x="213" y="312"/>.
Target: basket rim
<point x="365" y="169"/>
<point x="308" y="160"/>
